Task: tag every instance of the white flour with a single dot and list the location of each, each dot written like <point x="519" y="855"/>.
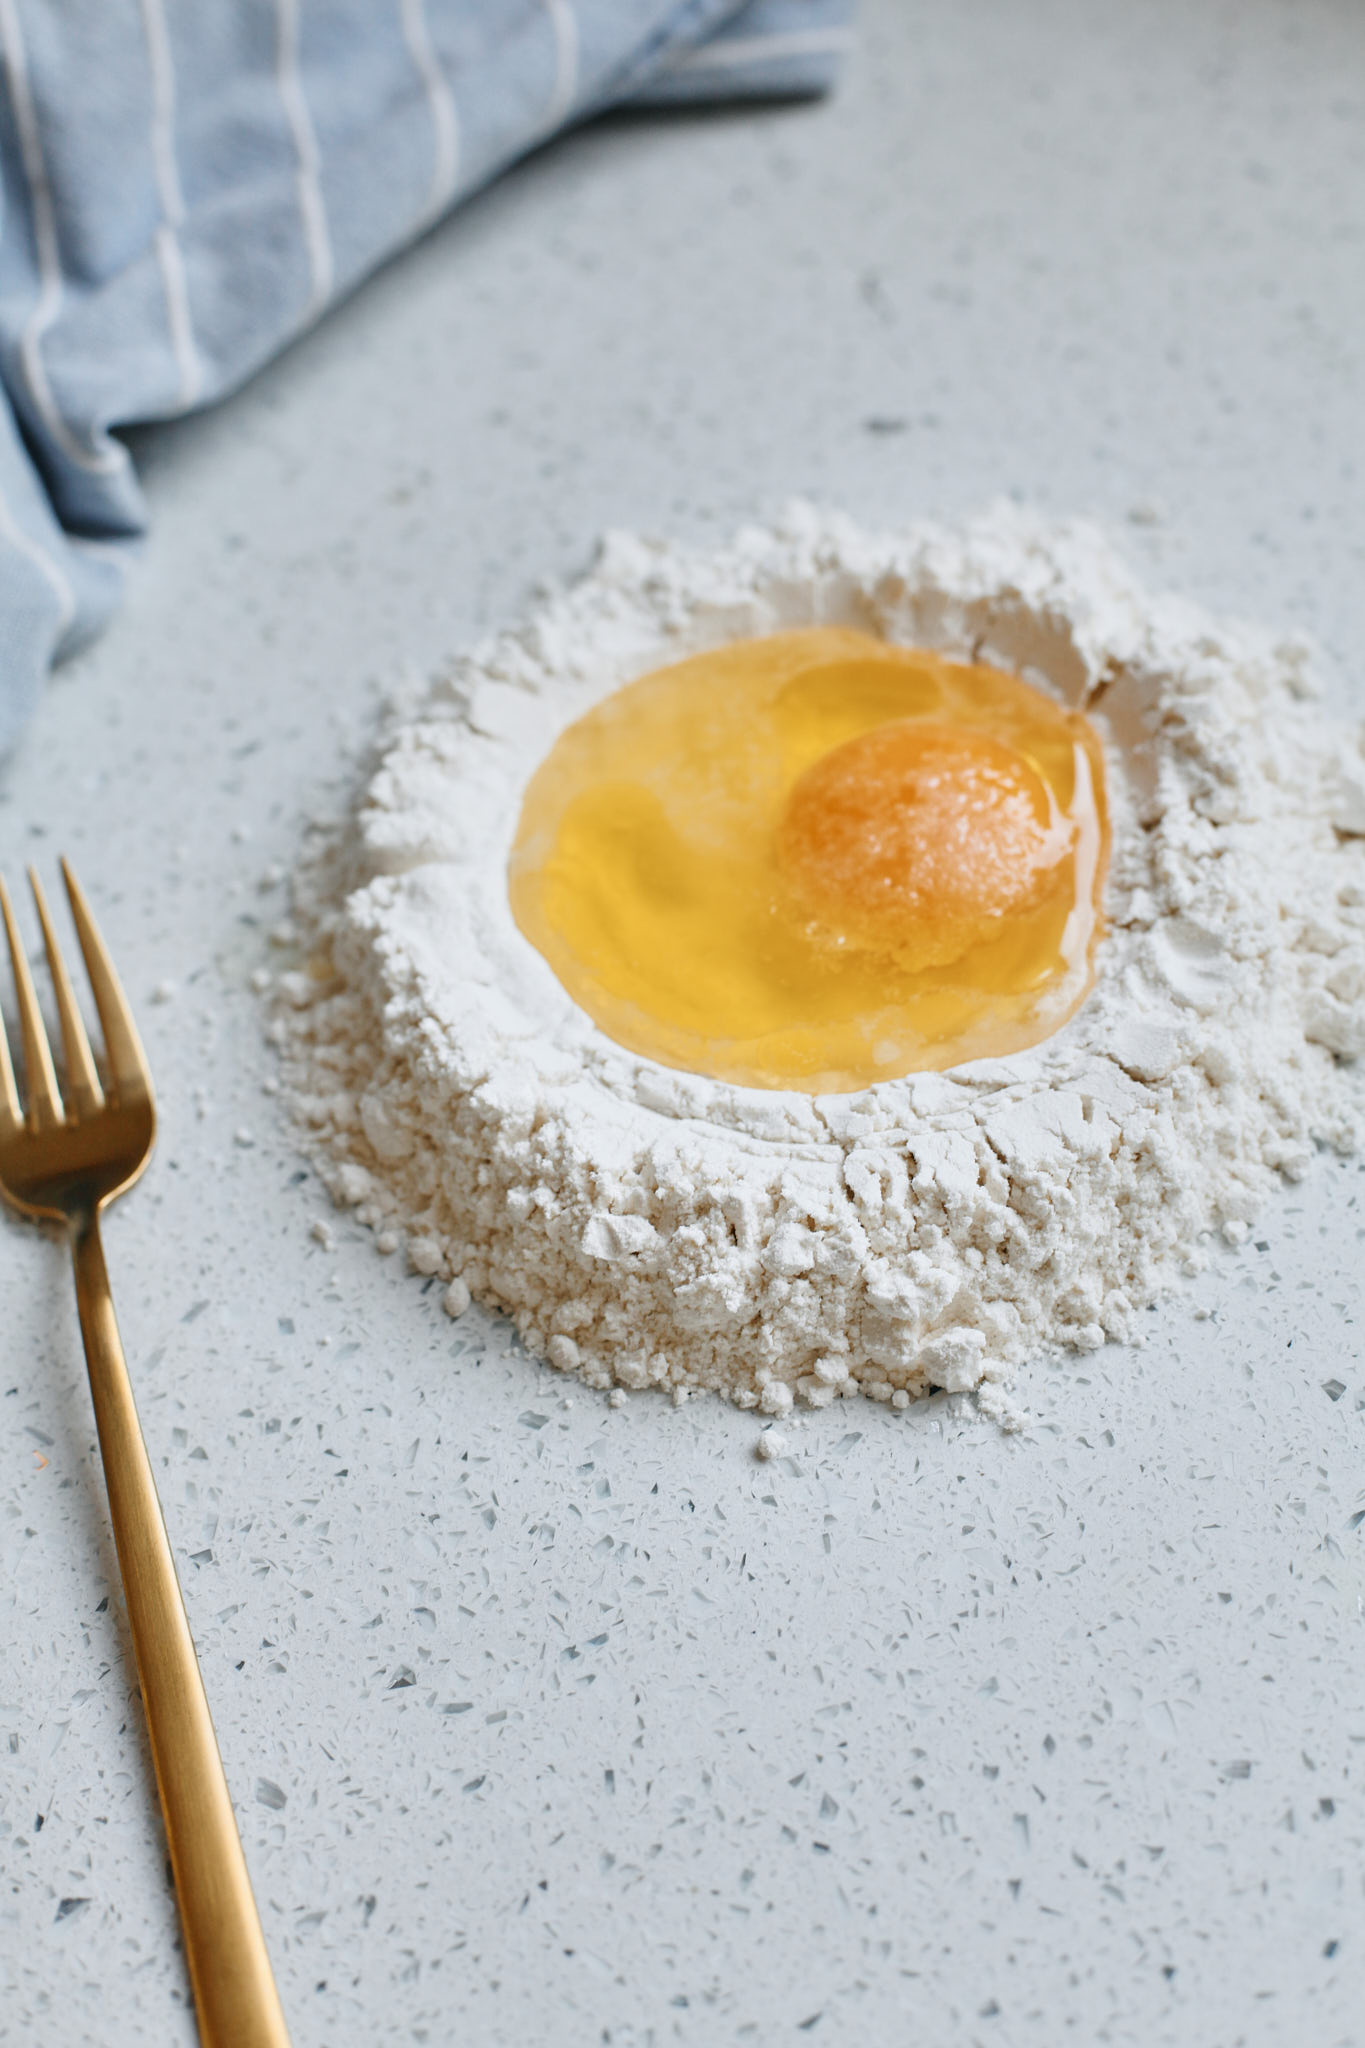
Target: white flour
<point x="652" y="1228"/>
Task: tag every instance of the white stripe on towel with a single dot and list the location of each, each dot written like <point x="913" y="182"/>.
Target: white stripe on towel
<point x="24" y="544"/>
<point x="564" y="22"/>
<point x="312" y="211"/>
<point x="168" y="254"/>
<point x="745" y="50"/>
<point x="110" y="456"/>
<point x="445" y="122"/>
<point x="114" y="554"/>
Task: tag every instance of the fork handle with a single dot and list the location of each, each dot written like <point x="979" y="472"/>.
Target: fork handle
<point x="234" y="1993"/>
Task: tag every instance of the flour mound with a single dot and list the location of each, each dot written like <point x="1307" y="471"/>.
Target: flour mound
<point x="646" y="1227"/>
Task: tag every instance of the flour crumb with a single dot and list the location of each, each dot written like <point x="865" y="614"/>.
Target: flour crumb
<point x="771" y="1444"/>
<point x="457" y="1298"/>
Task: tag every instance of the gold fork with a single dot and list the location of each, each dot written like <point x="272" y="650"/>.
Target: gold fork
<point x="75" y="1150"/>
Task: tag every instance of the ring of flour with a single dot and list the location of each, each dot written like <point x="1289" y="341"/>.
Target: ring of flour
<point x="650" y="1227"/>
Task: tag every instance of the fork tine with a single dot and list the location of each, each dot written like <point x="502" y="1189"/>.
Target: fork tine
<point x="123" y="1048"/>
<point x="44" y="1100"/>
<point x="11" y="1116"/>
<point x="82" y="1082"/>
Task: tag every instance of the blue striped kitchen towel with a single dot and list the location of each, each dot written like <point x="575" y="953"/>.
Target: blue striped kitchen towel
<point x="188" y="184"/>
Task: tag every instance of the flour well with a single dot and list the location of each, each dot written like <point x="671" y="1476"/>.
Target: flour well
<point x="651" y="1228"/>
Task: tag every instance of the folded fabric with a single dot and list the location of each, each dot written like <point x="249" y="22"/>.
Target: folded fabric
<point x="187" y="188"/>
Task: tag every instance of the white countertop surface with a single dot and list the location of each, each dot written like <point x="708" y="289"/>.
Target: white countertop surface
<point x="553" y="1722"/>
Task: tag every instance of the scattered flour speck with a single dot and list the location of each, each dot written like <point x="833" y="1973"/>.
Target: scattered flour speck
<point x="650" y="1228"/>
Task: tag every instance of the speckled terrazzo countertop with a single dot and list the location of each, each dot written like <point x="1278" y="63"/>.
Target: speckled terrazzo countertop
<point x="549" y="1721"/>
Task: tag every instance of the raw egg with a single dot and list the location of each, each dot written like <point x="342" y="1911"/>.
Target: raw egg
<point x="817" y="861"/>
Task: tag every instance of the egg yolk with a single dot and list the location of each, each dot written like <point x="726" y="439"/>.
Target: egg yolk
<point x="918" y="839"/>
<point x="816" y="861"/>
